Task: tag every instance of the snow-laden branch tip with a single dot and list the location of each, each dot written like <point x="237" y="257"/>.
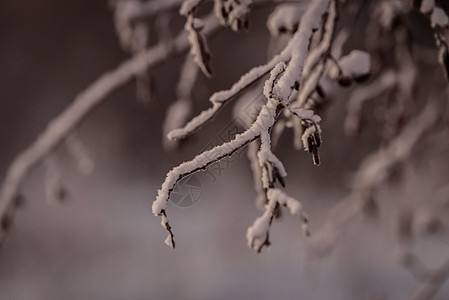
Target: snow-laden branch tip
<point x="285" y="18"/>
<point x="258" y="233"/>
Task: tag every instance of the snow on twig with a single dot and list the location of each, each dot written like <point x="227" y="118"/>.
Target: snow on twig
<point x="258" y="233"/>
<point x="300" y="43"/>
<point x="285" y="18"/>
<point x="234" y="13"/>
<point x="189" y="6"/>
<point x="220" y="98"/>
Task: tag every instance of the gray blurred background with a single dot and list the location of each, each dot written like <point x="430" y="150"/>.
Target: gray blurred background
<point x="104" y="242"/>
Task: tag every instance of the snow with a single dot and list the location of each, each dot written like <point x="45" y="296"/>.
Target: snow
<point x="354" y="65"/>
<point x="439" y="18"/>
<point x="263" y="122"/>
<point x="300" y="43"/>
<point x="177" y="115"/>
<point x="285" y="18"/>
<point x="233" y="12"/>
<point x="179" y="111"/>
<point x="199" y="47"/>
<point x="238" y="13"/>
<point x="220" y="97"/>
<point x="283" y="88"/>
<point x="257" y="233"/>
<point x="274" y="75"/>
<point x="294" y="206"/>
<point x="427" y="6"/>
<point x="195" y="123"/>
<point x="306" y="114"/>
<point x="297" y="49"/>
<point x="310" y="131"/>
<point x="188" y="6"/>
<point x="310" y="85"/>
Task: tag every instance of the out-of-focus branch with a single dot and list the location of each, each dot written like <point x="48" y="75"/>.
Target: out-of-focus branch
<point x="374" y="171"/>
<point x="151" y="8"/>
<point x="82" y="105"/>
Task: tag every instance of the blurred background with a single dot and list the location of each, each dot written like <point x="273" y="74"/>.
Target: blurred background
<point x="105" y="243"/>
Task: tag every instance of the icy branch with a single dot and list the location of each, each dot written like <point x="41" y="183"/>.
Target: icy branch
<point x="374" y="171"/>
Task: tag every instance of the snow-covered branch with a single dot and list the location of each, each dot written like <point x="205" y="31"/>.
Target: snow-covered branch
<point x="260" y="128"/>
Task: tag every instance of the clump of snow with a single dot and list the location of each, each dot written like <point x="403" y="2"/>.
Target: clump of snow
<point x="195" y="123"/>
<point x="356" y="64"/>
<point x="427" y="6"/>
<point x="285" y="18"/>
<point x="439" y="18"/>
<point x="306" y="114"/>
<point x="257" y="233"/>
<point x="274" y="76"/>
